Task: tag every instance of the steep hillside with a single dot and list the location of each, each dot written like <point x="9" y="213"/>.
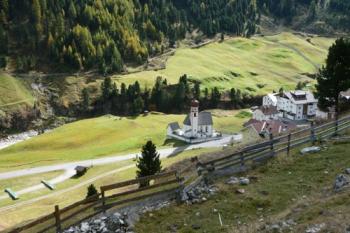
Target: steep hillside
<point x="289" y="194"/>
<point x="105" y="35"/>
<point x="14" y="92"/>
<point x="256" y="65"/>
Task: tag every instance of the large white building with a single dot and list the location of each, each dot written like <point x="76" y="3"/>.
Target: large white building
<point x="196" y="126"/>
<point x="297" y="105"/>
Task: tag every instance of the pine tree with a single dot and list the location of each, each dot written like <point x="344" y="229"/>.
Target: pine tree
<point x="149" y="163"/>
<point x="335" y="76"/>
<point x="91" y="191"/>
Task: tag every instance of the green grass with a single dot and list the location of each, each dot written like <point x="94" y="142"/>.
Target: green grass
<point x="26" y="181"/>
<point x="299" y="182"/>
<point x="39" y="208"/>
<point x="102" y="136"/>
<point x="13" y="92"/>
<point x="276" y="61"/>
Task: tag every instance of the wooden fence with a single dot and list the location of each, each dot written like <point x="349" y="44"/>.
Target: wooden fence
<point x="258" y="153"/>
<point x="123" y="193"/>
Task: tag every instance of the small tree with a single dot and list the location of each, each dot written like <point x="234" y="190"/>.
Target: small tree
<point x="149" y="163"/>
<point x="91" y="191"/>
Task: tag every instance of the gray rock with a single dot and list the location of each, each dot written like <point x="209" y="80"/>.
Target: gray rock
<point x="309" y="150"/>
<point x="315" y="228"/>
<point x="244" y="181"/>
<point x="232" y="180"/>
<point x="347" y="171"/>
<point x="341" y="182"/>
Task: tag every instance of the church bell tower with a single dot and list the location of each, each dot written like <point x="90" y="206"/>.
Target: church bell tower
<point x="194" y="117"/>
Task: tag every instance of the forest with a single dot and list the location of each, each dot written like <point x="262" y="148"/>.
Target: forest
<point x="104" y="35"/>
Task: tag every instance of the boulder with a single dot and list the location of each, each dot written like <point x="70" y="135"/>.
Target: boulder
<point x="347" y="171"/>
<point x="341" y="181"/>
<point x="244" y="181"/>
<point x="240" y="191"/>
<point x="310" y="150"/>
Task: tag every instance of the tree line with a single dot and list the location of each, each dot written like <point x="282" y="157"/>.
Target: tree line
<point x="162" y="97"/>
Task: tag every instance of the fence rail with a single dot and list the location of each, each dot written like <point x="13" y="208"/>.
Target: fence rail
<point x="270" y="148"/>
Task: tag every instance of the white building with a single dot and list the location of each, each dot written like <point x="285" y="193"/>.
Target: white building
<point x="297" y="105"/>
<point x="197" y="126"/>
<point x="266" y="112"/>
<point x="270" y="100"/>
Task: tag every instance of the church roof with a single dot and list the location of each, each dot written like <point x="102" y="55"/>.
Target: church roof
<point x="174" y="126"/>
<point x="204" y="118"/>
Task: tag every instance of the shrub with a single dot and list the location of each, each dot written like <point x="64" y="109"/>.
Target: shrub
<point x="91" y="191"/>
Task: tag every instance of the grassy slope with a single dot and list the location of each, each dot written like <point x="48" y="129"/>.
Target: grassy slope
<point x="277" y="61"/>
<point x="298" y="188"/>
<point x="13" y="92"/>
<point x="31" y="211"/>
<point x="101" y="136"/>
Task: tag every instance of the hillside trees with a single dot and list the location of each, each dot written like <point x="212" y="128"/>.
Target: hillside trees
<point x="334" y="77"/>
<point x="106" y="34"/>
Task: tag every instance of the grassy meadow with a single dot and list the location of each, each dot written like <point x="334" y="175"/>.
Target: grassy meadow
<point x="102" y="136"/>
<point x="273" y="61"/>
<point x="13" y="91"/>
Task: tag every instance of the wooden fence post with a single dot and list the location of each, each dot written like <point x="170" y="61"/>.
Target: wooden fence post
<point x="288" y="145"/>
<point x="58" y="219"/>
<point x="312" y="135"/>
<point x="103" y="199"/>
<point x="271" y="142"/>
<point x="242" y="159"/>
<point x="336" y="126"/>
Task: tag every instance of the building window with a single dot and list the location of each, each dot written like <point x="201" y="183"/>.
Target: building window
<point x="195" y="114"/>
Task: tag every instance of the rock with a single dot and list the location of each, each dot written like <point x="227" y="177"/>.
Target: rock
<point x="315" y="228"/>
<point x="308" y="150"/>
<point x="232" y="180"/>
<point x="103" y="224"/>
<point x="244" y="181"/>
<point x="215" y="210"/>
<point x="196" y="227"/>
<point x="341" y="182"/>
<point x="347" y="171"/>
<point x="240" y="191"/>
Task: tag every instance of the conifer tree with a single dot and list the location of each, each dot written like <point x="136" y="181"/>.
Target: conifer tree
<point x="149" y="163"/>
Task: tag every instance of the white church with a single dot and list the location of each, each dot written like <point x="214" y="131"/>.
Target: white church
<point x="197" y="127"/>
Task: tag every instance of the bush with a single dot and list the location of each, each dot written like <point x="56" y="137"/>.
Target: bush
<point x="91" y="191"/>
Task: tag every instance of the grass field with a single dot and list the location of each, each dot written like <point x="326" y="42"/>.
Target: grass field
<point x="275" y="61"/>
<point x="295" y="187"/>
<point x="27" y="181"/>
<point x="13" y="92"/>
<point x="102" y="136"/>
<point x="31" y="211"/>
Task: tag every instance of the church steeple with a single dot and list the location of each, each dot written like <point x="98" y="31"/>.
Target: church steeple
<point x="194" y="117"/>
